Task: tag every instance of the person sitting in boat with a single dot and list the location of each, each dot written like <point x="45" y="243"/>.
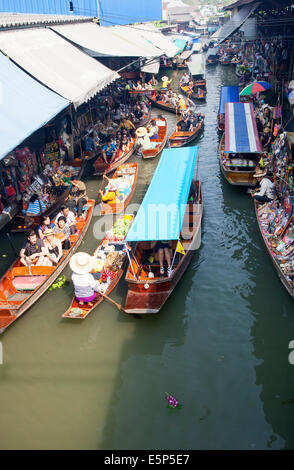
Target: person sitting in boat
<point x="33" y="253"/>
<point x="153" y="130"/>
<point x="111" y="195"/>
<point x="46" y="223"/>
<point x="266" y="192"/>
<point x="200" y="93"/>
<point x="85" y="285"/>
<point x="193" y="121"/>
<point x="69" y="217"/>
<point x="143" y="141"/>
<point x="266" y="138"/>
<point x="35" y="207"/>
<point x="165" y="82"/>
<point x="125" y="141"/>
<point x="185" y="79"/>
<point x="138" y="112"/>
<point x="259" y="125"/>
<point x="126" y="124"/>
<point x="78" y="195"/>
<point x="109" y="151"/>
<point x="118" y="137"/>
<point x="181" y="103"/>
<point x="138" y="86"/>
<point x="53" y="247"/>
<point x="62" y="231"/>
<point x="183" y="125"/>
<point x="149" y="85"/>
<point x="163" y="252"/>
<point x="154" y="81"/>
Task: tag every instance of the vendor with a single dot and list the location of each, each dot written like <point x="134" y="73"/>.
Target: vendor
<point x="165" y="82"/>
<point x="266" y="192"/>
<point x="266" y="138"/>
<point x="143" y="141"/>
<point x="85" y="285"/>
<point x="79" y="194"/>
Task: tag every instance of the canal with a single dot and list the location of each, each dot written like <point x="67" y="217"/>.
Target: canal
<point x="220" y="344"/>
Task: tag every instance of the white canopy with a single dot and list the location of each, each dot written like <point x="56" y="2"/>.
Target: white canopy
<point x="56" y="63"/>
<point x="152" y="34"/>
<point x="107" y="41"/>
<point x="234" y="22"/>
<point x="196" y="65"/>
<point x="152" y="65"/>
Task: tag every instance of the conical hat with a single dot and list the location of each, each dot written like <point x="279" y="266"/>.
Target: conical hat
<point x="141" y="131"/>
<point x="81" y="263"/>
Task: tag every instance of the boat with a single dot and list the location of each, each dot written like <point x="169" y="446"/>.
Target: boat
<point x="19" y="223"/>
<point x="102" y="168"/>
<point x="181" y="138"/>
<point x="21" y="286"/>
<point x="161" y="139"/>
<point x="197" y="70"/>
<point x="225" y="60"/>
<point x="229" y="94"/>
<point x="279" y="246"/>
<point x="125" y="177"/>
<point x="240" y="147"/>
<point x="144" y="121"/>
<point x="164" y="215"/>
<point x="160" y="104"/>
<point x="235" y="61"/>
<point x="76" y="311"/>
<point x="212" y="56"/>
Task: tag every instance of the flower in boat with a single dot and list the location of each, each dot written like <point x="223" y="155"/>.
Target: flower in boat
<point x="172" y="401"/>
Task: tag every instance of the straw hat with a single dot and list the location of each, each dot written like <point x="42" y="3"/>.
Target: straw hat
<point x="141" y="131"/>
<point x="48" y="231"/>
<point x="81" y="263"/>
<point x="259" y="173"/>
<point x="164" y="79"/>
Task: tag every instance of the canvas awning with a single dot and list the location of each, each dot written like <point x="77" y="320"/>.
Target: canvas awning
<point x="241" y="134"/>
<point x="25" y="105"/>
<point x="234" y="22"/>
<point x="229" y="94"/>
<point x="107" y="41"/>
<point x="153" y="35"/>
<point x="151" y="66"/>
<point x="161" y="213"/>
<point x="212" y="51"/>
<point x="196" y="65"/>
<point x="185" y="55"/>
<point x="197" y="46"/>
<point x="55" y="62"/>
<point x="181" y="44"/>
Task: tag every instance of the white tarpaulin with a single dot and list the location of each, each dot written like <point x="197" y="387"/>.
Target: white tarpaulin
<point x="250" y="29"/>
<point x="152" y="34"/>
<point x="196" y="65"/>
<point x="107" y="41"/>
<point x="152" y="66"/>
<point x="56" y="63"/>
<point x="234" y="22"/>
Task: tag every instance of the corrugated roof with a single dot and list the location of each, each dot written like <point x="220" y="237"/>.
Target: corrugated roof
<point x="9" y="20"/>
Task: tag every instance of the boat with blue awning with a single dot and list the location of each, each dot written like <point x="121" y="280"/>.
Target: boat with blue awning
<point x="240" y="147"/>
<point x="229" y="94"/>
<point x="169" y="218"/>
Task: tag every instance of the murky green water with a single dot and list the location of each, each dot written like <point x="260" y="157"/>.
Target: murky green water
<point x="220" y="344"/>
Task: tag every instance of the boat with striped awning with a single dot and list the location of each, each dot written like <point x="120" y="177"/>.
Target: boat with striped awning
<point x="229" y="94"/>
<point x="240" y="147"/>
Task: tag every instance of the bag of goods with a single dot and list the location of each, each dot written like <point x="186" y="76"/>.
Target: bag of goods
<point x="113" y="258"/>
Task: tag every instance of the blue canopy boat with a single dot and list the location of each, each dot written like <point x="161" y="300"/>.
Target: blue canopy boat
<point x="229" y="94"/>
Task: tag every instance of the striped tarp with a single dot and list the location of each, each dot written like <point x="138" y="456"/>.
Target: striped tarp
<point x="241" y="134"/>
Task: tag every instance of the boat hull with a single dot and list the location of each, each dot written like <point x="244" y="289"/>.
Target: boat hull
<point x="102" y="168"/>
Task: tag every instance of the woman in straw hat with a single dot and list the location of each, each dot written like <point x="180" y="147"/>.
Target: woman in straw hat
<point x="266" y="192"/>
<point x="143" y="140"/>
<point x="85" y="284"/>
<point x="165" y="81"/>
<point x="266" y="138"/>
<point x="53" y="247"/>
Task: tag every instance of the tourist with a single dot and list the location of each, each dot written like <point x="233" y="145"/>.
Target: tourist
<point x="46" y="223"/>
<point x="109" y="151"/>
<point x="266" y="192"/>
<point x="153" y="130"/>
<point x="62" y="232"/>
<point x="35" y="207"/>
<point x="33" y="253"/>
<point x="163" y="252"/>
<point x="85" y="285"/>
<point x="69" y="217"/>
<point x="53" y="247"/>
<point x="79" y="195"/>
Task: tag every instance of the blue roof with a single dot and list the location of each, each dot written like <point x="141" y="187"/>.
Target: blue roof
<point x="161" y="213"/>
<point x="25" y="105"/>
<point x="181" y="44"/>
<point x="229" y="94"/>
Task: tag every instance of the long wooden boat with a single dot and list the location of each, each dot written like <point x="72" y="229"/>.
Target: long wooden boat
<point x="161" y="139"/>
<point x="9" y="213"/>
<point x="146" y="295"/>
<point x="19" y="222"/>
<point x="238" y="169"/>
<point x="181" y="138"/>
<point x="198" y="93"/>
<point x="287" y="278"/>
<point x="104" y="168"/>
<point x="160" y="104"/>
<point x="76" y="311"/>
<point x="21" y="287"/>
<point x="144" y="121"/>
<point x="129" y="170"/>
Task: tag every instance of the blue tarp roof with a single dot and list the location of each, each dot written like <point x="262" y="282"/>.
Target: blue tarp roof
<point x="181" y="44"/>
<point x="161" y="213"/>
<point x="229" y="94"/>
<point x="25" y="105"/>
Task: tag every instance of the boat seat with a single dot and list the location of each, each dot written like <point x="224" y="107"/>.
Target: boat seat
<point x="35" y="271"/>
<point x="28" y="282"/>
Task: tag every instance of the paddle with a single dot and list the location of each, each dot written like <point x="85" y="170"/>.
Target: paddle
<point x="120" y="307"/>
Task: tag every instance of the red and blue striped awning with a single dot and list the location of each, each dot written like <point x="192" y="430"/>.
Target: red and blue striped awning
<point x="241" y="134"/>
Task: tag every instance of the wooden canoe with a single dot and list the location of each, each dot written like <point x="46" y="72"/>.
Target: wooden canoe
<point x="85" y="309"/>
<point x="181" y="138"/>
<point x="147" y="295"/>
<point x="195" y="95"/>
<point x="287" y="280"/>
<point x="104" y="168"/>
<point x="160" y="104"/>
<point x="160" y="141"/>
<point x="19" y="225"/>
<point x="19" y="289"/>
<point x="125" y="169"/>
<point x="237" y="170"/>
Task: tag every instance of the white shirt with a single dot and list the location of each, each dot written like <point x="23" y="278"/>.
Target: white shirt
<point x="266" y="189"/>
<point x="69" y="219"/>
<point x="85" y="285"/>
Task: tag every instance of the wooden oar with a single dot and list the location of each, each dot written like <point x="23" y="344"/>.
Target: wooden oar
<point x="120" y="307"/>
